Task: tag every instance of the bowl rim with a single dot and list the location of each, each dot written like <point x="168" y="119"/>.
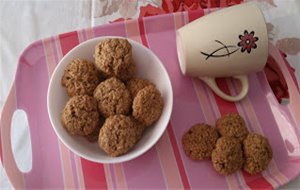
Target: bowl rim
<point x="155" y="139"/>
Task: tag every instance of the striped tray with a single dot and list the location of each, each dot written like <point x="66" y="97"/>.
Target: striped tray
<point x="165" y="165"/>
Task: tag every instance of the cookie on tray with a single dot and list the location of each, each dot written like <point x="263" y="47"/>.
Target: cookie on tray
<point x="118" y="135"/>
<point x="199" y="141"/>
<point x="80" y="77"/>
<point x="227" y="157"/>
<point x="147" y="105"/>
<point x="136" y="84"/>
<point x="113" y="57"/>
<point x="113" y="97"/>
<point x="258" y="153"/>
<point x="232" y="125"/>
<point x="80" y="115"/>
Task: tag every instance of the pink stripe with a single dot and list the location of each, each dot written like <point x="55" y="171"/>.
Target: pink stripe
<point x="168" y="174"/>
<point x="227" y="107"/>
<point x="43" y="139"/>
<point x="15" y="176"/>
<point x="236" y="180"/>
<point x="184" y="107"/>
<point x="116" y="29"/>
<point x="165" y="153"/>
<point x="67" y="42"/>
<point x="286" y="122"/>
<point x="94" y="175"/>
<point x="51" y="62"/>
<point x="272" y="174"/>
<point x="120" y="178"/>
<point x="89" y="33"/>
<point x="50" y="57"/>
<point x="204" y="102"/>
<point x="210" y="117"/>
<point x="249" y="112"/>
<point x="178" y="20"/>
<point x="108" y="176"/>
<point x="143" y="33"/>
<point x="168" y="163"/>
<point x="58" y="49"/>
<point x="80" y="178"/>
<point x="183" y="175"/>
<point x="149" y="176"/>
<point x="132" y="30"/>
<point x="107" y="172"/>
<point x="129" y="171"/>
<point x="133" y="177"/>
<point x="266" y="118"/>
<point x="114" y="178"/>
<point x="233" y="181"/>
<point x="64" y="152"/>
<point x="74" y="173"/>
<point x="67" y="167"/>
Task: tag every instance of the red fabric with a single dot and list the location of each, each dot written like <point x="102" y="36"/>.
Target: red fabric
<point x="171" y="6"/>
<point x="276" y="79"/>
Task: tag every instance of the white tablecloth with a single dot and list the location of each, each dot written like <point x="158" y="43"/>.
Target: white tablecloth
<point x="23" y="22"/>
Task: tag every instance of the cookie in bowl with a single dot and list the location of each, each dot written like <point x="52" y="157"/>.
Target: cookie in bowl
<point x="113" y="101"/>
<point x="80" y="77"/>
<point x="113" y="97"/>
<point x="113" y="57"/>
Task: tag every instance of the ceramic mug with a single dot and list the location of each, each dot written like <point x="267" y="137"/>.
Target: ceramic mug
<point x="232" y="42"/>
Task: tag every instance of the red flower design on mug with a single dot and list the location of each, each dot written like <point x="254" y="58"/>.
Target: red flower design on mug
<point x="247" y="41"/>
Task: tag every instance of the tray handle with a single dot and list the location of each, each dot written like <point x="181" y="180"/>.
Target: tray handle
<point x="7" y="158"/>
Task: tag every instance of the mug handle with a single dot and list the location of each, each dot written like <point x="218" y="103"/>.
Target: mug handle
<point x="211" y="82"/>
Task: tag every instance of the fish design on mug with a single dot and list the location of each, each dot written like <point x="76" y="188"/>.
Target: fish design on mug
<point x="246" y="43"/>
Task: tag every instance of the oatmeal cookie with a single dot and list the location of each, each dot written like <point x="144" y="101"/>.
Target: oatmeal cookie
<point x="80" y="115"/>
<point x="258" y="153"/>
<point x="93" y="137"/>
<point x="137" y="84"/>
<point x="232" y="125"/>
<point x="80" y="77"/>
<point x="147" y="105"/>
<point x="118" y="135"/>
<point x="139" y="127"/>
<point x="199" y="141"/>
<point x="227" y="157"/>
<point x="113" y="57"/>
<point x="113" y="97"/>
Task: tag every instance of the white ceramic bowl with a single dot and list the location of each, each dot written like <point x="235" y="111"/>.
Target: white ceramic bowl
<point x="148" y="67"/>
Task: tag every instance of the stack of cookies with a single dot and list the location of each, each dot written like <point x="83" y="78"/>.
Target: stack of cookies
<point x="108" y="104"/>
<point x="229" y="145"/>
